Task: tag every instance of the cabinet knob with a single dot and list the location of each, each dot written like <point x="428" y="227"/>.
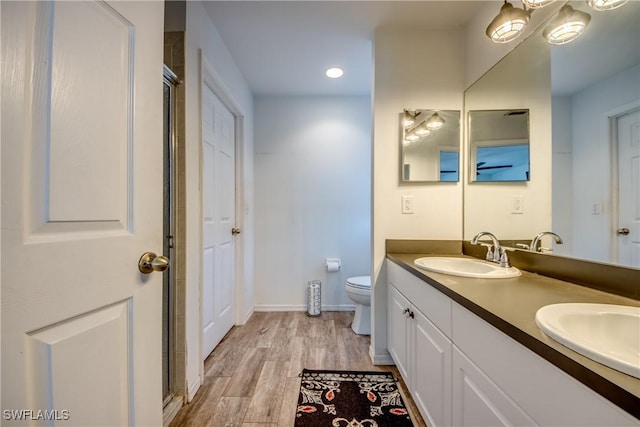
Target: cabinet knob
<point x="411" y="314"/>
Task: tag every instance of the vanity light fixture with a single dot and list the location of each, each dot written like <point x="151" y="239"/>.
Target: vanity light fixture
<point x="422" y="130"/>
<point x="601" y="5"/>
<point x="536" y="4"/>
<point x="334" y="72"/>
<point x="411" y="137"/>
<point x="567" y="26"/>
<point x="410" y="118"/>
<point x="508" y="24"/>
<point x="434" y="122"/>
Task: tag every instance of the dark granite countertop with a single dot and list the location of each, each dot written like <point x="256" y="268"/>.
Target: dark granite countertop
<point x="510" y="305"/>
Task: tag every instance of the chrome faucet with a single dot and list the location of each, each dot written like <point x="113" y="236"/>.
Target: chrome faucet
<point x="534" y="243"/>
<point x="498" y="254"/>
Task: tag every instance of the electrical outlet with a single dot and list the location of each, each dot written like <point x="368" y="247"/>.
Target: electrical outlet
<point x="407" y="204"/>
<point x="517" y="205"/>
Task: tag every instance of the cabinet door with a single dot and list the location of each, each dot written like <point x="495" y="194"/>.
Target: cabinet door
<point x="431" y="371"/>
<point x="477" y="401"/>
<point x="398" y="324"/>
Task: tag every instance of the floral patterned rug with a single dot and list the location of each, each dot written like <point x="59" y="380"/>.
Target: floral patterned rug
<point x="350" y="399"/>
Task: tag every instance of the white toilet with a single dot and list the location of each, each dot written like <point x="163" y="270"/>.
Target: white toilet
<point x="359" y="290"/>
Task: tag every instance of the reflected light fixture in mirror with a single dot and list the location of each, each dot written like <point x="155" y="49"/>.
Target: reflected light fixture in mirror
<point x="567" y="26"/>
<point x="536" y="4"/>
<point x="508" y="24"/>
<point x="601" y="5"/>
<point x="434" y="122"/>
<point x="410" y="118"/>
<point x="422" y="129"/>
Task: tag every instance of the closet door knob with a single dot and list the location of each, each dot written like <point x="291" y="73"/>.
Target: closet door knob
<point x="622" y="231"/>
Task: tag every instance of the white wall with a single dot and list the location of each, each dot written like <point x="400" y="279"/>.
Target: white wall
<point x="312" y="197"/>
<point x="416" y="70"/>
<point x="201" y="34"/>
<point x="592" y="160"/>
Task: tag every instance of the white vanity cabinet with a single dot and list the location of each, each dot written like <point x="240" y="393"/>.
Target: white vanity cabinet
<point x="478" y="401"/>
<point x="463" y="371"/>
<point x="420" y="349"/>
<point x="398" y="330"/>
<point x="517" y="385"/>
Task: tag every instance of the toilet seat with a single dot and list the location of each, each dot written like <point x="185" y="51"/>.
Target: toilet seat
<point x="359" y="282"/>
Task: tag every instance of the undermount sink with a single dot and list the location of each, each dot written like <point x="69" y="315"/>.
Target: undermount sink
<point x="606" y="333"/>
<point x="466" y="267"/>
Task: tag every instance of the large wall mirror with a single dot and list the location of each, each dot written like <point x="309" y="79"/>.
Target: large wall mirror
<point x="430" y="146"/>
<point x="582" y="184"/>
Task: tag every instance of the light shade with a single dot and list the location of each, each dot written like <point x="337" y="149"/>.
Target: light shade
<point x="536" y="4"/>
<point x="567" y="26"/>
<point x="434" y="122"/>
<point x="410" y="118"/>
<point x="508" y="24"/>
<point x="601" y="5"/>
<point x="421" y="130"/>
<point x="411" y="137"/>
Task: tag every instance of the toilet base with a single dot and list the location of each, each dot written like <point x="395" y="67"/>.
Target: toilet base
<point x="361" y="324"/>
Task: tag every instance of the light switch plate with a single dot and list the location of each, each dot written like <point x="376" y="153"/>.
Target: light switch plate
<point x="407" y="204"/>
<point x="517" y="205"/>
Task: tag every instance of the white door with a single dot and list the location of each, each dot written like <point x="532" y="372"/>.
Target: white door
<point x="431" y="371"/>
<point x="478" y="401"/>
<point x="398" y="327"/>
<point x="81" y="201"/>
<point x="218" y="209"/>
<point x="629" y="189"/>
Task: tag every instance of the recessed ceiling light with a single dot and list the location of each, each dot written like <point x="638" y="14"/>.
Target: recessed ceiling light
<point x="334" y="72"/>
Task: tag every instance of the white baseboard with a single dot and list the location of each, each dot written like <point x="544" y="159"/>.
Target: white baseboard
<point x="247" y="315"/>
<point x="302" y="307"/>
<point x="193" y="387"/>
<point x="380" y="359"/>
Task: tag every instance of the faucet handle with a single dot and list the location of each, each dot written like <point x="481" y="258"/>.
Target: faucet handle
<point x="490" y="255"/>
<point x="504" y="259"/>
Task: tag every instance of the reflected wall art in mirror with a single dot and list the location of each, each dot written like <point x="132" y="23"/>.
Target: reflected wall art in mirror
<point x="499" y="145"/>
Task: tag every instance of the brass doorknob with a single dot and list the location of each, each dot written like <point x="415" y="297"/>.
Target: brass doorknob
<point x="150" y="262"/>
<point x="235" y="231"/>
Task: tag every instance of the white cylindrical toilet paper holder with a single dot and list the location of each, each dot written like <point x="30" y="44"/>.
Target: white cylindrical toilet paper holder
<point x="313" y="298"/>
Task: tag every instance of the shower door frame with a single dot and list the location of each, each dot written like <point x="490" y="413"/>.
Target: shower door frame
<point x="170" y="80"/>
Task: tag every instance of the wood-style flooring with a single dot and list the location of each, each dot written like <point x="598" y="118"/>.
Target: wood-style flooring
<point x="251" y="378"/>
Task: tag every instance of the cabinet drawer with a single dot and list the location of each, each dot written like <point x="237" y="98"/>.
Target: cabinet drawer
<point x="424" y="297"/>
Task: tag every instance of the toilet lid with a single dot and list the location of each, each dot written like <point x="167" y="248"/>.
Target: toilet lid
<point x="360" y="282"/>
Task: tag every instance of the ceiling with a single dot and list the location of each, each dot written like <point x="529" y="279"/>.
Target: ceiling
<point x="284" y="47"/>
